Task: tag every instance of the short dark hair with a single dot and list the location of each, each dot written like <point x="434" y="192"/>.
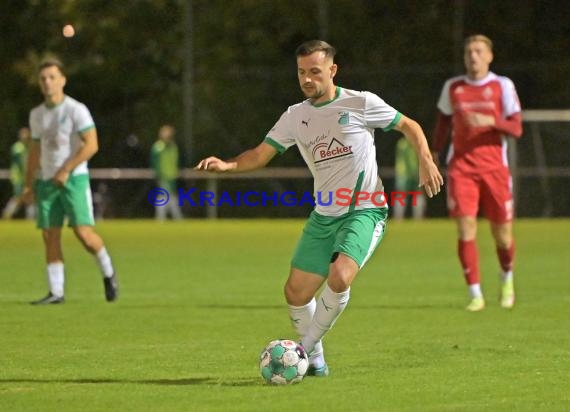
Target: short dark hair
<point x="311" y="46"/>
<point x="51" y="62"/>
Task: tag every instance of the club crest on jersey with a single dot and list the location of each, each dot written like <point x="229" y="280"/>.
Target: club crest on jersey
<point x="343" y="118"/>
<point x="327" y="151"/>
<point x="487" y="93"/>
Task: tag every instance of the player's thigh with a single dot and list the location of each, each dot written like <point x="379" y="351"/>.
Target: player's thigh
<point x="78" y="201"/>
<point x="463" y="194"/>
<point x="497" y="196"/>
<point x="49" y="203"/>
<point x="315" y="247"/>
<point x="359" y="236"/>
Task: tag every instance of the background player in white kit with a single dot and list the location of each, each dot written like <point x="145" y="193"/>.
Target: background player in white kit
<point x="64" y="138"/>
<point x="334" y="131"/>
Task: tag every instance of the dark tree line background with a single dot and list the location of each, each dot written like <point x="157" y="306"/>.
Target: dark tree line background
<point x="126" y="62"/>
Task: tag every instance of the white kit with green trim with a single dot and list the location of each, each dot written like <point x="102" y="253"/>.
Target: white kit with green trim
<point x="57" y="128"/>
<point x="336" y="139"/>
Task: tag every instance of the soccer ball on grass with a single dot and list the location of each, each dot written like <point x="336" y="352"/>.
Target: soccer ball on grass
<point x="283" y="362"/>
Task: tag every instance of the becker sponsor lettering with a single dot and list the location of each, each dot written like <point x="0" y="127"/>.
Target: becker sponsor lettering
<point x="333" y="150"/>
<point x="336" y="151"/>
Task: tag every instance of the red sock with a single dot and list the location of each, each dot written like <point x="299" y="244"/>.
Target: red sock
<point x="469" y="257"/>
<point x="507" y="257"/>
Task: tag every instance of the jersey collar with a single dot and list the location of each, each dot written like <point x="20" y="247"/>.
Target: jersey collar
<point x="336" y="95"/>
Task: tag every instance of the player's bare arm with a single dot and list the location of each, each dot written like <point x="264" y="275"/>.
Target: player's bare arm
<point x="252" y="159"/>
<point x="87" y="151"/>
<point x="430" y="177"/>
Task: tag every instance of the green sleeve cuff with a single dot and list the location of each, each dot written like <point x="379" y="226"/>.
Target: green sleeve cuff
<point x="394" y="122"/>
<point x="87" y="128"/>
<point x="280" y="149"/>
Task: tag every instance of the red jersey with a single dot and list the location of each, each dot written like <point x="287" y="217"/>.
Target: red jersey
<point x="477" y="149"/>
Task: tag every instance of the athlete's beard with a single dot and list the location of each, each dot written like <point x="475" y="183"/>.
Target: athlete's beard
<point x="315" y="95"/>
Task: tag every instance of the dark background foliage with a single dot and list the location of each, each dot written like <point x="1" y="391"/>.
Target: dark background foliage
<point x="126" y="62"/>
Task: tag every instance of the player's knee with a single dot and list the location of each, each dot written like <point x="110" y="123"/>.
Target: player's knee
<point x="51" y="235"/>
<point x="467" y="228"/>
<point x="341" y="276"/>
<point x="504" y="241"/>
<point x="296" y="295"/>
<point x="338" y="284"/>
<point x="81" y="233"/>
<point x="503" y="235"/>
<point x="289" y="293"/>
<point x="86" y="236"/>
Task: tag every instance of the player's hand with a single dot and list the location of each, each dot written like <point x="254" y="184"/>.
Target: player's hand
<point x="213" y="164"/>
<point x="479" y="119"/>
<point x="61" y="177"/>
<point x="27" y="196"/>
<point x="430" y="177"/>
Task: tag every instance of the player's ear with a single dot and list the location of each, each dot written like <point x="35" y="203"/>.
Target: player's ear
<point x="334" y="68"/>
<point x="64" y="81"/>
<point x="490" y="56"/>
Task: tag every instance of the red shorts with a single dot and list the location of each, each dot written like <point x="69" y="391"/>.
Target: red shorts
<point x="493" y="190"/>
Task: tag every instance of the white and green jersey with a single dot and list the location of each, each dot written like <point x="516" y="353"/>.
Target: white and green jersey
<point x="336" y="139"/>
<point x="58" y="130"/>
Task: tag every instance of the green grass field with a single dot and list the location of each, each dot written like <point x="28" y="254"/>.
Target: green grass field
<point x="200" y="299"/>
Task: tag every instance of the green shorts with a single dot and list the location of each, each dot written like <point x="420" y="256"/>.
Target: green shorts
<point x="73" y="201"/>
<point x="355" y="234"/>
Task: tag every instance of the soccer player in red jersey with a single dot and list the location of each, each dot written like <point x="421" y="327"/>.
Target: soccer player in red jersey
<point x="480" y="108"/>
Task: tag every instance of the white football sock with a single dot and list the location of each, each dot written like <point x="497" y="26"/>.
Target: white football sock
<point x="329" y="308"/>
<point x="506" y="276"/>
<point x="104" y="261"/>
<point x="475" y="290"/>
<point x="55" y="278"/>
<point x="301" y="318"/>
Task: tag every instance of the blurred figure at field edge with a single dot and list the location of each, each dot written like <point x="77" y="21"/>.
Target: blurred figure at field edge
<point x="18" y="160"/>
<point x="165" y="160"/>
<point x="406" y="180"/>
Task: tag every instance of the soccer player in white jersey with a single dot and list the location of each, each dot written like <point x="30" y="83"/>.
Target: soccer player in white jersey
<point x="334" y="131"/>
<point x="64" y="138"/>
